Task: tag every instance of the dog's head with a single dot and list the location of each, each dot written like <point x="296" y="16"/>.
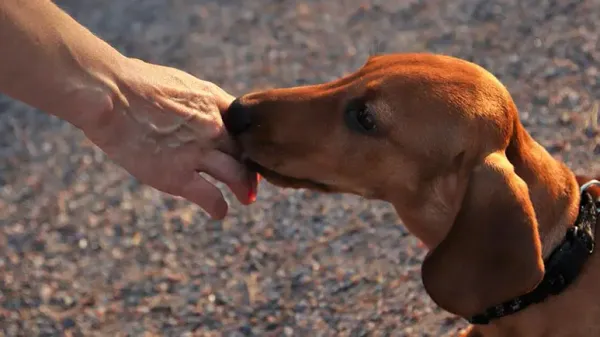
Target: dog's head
<point x="397" y="121"/>
<point x="427" y="133"/>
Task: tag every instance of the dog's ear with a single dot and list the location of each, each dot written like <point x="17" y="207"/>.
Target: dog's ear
<point x="492" y="253"/>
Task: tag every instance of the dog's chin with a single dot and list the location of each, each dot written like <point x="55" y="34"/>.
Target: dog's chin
<point x="285" y="181"/>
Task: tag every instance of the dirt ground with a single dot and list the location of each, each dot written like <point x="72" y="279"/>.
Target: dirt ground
<point x="85" y="250"/>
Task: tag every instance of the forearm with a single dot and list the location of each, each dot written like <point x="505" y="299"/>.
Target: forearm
<point x="51" y="62"/>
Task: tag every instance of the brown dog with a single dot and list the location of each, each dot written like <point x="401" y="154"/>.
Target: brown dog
<point x="440" y="138"/>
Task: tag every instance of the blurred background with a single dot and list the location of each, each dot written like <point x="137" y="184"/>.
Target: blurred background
<point x="85" y="250"/>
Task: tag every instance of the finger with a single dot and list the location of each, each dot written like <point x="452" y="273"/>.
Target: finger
<point x="206" y="195"/>
<point x="222" y="98"/>
<point x="254" y="180"/>
<point x="206" y="91"/>
<point x="229" y="146"/>
<point x="206" y="124"/>
<point x="231" y="172"/>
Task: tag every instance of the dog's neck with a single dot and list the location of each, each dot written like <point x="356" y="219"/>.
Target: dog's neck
<point x="553" y="189"/>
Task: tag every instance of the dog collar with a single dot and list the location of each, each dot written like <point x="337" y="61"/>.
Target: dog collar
<point x="562" y="266"/>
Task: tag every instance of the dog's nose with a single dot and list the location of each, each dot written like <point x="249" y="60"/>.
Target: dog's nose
<point x="237" y="118"/>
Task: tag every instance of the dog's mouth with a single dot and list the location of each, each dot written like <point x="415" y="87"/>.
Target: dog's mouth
<point x="283" y="180"/>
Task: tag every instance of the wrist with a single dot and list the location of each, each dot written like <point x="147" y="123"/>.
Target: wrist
<point x="92" y="91"/>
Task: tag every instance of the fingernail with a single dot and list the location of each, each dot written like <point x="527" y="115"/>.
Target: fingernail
<point x="253" y="187"/>
<point x="252" y="196"/>
<point x="252" y="193"/>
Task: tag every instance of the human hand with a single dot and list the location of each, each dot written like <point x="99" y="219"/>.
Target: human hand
<point x="165" y="126"/>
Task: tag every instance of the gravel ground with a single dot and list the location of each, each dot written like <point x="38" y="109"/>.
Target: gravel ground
<point x="85" y="250"/>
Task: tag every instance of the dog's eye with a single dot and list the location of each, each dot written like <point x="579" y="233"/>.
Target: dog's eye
<point x="360" y="118"/>
<point x="365" y="119"/>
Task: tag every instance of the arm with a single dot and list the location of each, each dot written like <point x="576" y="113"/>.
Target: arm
<point x="49" y="61"/>
<point x="161" y="124"/>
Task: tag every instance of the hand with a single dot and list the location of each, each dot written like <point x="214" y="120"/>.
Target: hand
<point x="164" y="127"/>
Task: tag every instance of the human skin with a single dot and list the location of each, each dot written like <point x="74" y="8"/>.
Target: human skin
<point x="161" y="124"/>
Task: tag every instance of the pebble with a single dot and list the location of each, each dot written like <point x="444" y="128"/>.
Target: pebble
<point x="68" y="323"/>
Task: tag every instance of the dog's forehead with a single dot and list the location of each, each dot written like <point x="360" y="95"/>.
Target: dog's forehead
<point x="420" y="67"/>
<point x="386" y="59"/>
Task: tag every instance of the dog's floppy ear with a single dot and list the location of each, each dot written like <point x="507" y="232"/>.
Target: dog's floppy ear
<point x="492" y="253"/>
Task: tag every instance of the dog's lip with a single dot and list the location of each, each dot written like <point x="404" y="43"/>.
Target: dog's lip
<point x="270" y="173"/>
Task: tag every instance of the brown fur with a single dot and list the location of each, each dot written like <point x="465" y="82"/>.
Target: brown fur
<point x="452" y="156"/>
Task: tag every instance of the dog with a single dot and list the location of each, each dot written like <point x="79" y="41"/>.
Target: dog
<point x="509" y="229"/>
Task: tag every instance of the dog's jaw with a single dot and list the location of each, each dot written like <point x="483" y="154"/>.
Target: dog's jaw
<point x="285" y="181"/>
